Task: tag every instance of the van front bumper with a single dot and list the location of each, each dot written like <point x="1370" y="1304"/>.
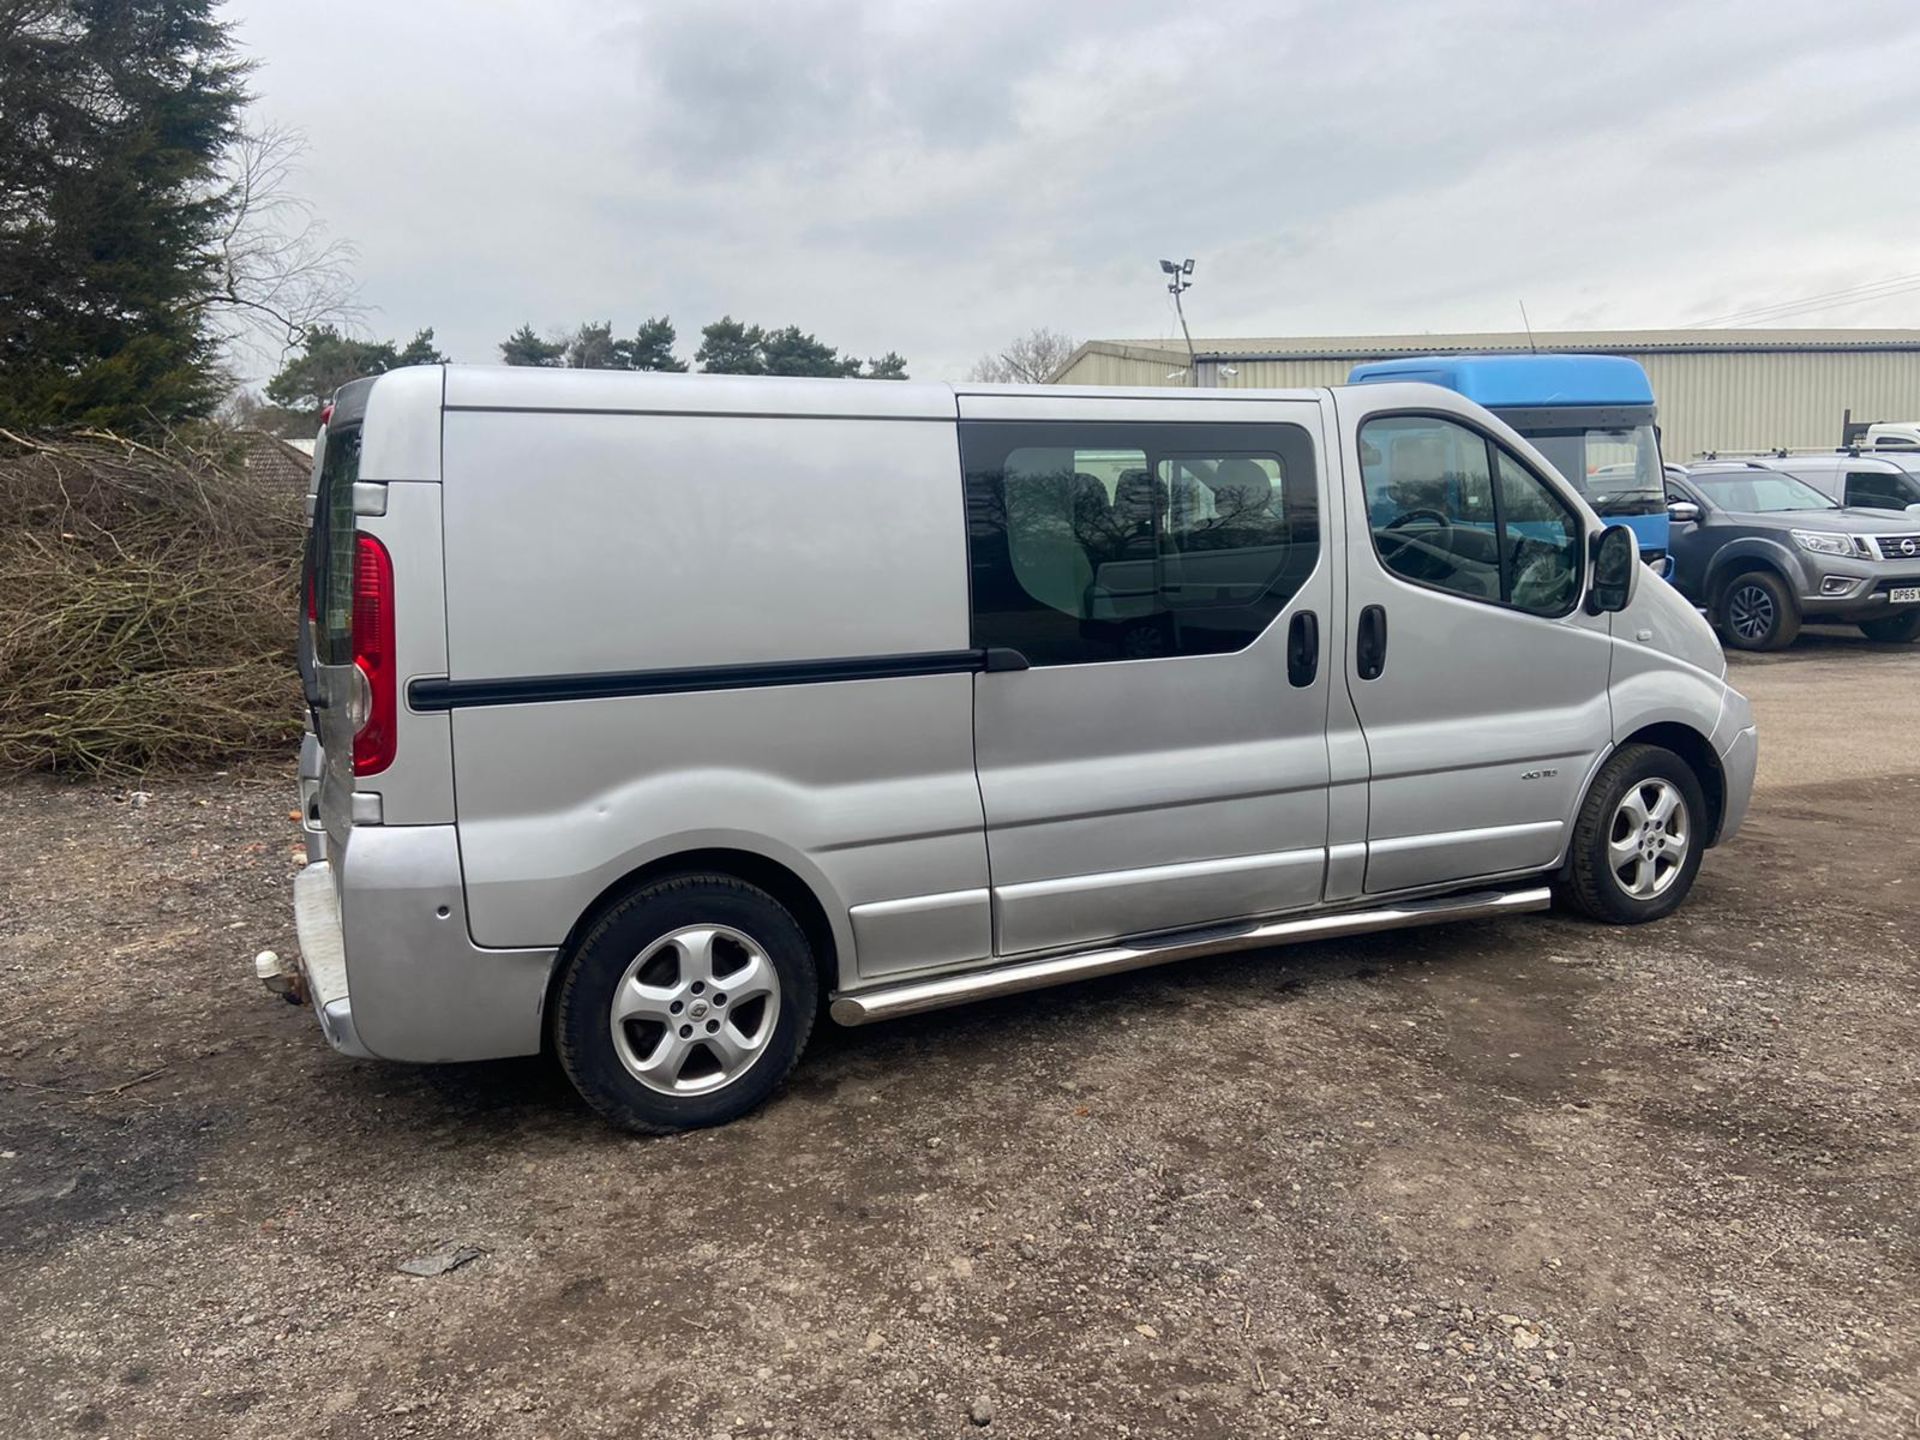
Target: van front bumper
<point x="389" y="965"/>
<point x="1736" y="740"/>
<point x="1737" y="765"/>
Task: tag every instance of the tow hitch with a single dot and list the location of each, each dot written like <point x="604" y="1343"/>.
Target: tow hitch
<point x="280" y="977"/>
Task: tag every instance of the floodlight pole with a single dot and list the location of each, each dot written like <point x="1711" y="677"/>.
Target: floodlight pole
<point x="1177" y="284"/>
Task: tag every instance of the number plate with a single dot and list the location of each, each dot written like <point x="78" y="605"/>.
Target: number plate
<point x="1904" y="594"/>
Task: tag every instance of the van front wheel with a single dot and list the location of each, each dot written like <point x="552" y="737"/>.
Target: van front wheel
<point x="686" y="1004"/>
<point x="1638" y="842"/>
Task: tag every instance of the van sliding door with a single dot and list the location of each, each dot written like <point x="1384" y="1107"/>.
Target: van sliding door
<point x="1161" y="759"/>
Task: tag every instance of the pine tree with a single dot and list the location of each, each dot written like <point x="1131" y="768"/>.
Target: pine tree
<point x="421" y="350"/>
<point x="327" y="361"/>
<point x="652" y="348"/>
<point x="729" y="348"/>
<point x="115" y="117"/>
<point x="788" y="351"/>
<point x="523" y="347"/>
<point x="594" y="348"/>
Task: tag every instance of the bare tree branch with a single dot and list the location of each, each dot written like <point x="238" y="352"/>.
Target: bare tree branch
<point x="1032" y="359"/>
<point x="274" y="272"/>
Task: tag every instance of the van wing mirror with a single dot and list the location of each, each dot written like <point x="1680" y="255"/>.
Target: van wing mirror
<point x="1616" y="556"/>
<point x="1914" y="509"/>
<point x="1683" y="512"/>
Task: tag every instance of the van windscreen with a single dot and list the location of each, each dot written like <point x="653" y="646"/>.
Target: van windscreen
<point x="1617" y="469"/>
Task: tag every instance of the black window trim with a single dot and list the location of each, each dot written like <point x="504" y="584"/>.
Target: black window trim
<point x="1555" y="487"/>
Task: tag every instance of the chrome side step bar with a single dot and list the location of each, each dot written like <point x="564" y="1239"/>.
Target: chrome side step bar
<point x="889" y="1002"/>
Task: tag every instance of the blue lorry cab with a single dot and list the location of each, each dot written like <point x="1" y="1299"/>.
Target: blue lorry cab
<point x="1592" y="416"/>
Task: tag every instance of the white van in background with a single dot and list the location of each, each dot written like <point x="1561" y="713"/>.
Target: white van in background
<point x="1893" y="435"/>
<point x="1857" y="480"/>
<point x="655" y="711"/>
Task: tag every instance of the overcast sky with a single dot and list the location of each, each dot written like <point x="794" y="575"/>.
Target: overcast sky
<point x="937" y="177"/>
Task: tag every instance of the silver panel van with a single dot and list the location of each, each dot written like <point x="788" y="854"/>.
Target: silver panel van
<point x="656" y="714"/>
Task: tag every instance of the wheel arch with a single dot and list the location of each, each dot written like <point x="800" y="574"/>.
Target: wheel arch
<point x="1743" y="559"/>
<point x="780" y="881"/>
<point x="1697" y="750"/>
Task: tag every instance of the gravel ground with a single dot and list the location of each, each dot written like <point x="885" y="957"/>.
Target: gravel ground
<point x="1526" y="1178"/>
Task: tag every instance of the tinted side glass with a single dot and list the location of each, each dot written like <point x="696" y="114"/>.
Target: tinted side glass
<point x="1430" y="503"/>
<point x="1539" y="541"/>
<point x="1099" y="542"/>
<point x="332" y="542"/>
<point x="1439" y="519"/>
<point x="1877" y="489"/>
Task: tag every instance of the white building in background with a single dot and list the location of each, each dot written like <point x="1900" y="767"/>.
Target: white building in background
<point x="1716" y="389"/>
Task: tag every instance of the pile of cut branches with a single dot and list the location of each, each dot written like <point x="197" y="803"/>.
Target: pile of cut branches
<point x="148" y="607"/>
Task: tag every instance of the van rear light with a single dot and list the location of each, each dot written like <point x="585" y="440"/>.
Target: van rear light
<point x="376" y="708"/>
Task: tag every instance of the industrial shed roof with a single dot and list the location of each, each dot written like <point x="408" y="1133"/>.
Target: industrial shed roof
<point x="1371" y="347"/>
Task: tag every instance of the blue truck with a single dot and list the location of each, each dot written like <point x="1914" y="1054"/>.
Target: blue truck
<point x="1592" y="416"/>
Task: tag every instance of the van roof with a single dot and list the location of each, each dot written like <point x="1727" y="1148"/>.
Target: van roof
<point x="508" y="387"/>
<point x="503" y="387"/>
<point x="1515" y="381"/>
<point x="533" y="389"/>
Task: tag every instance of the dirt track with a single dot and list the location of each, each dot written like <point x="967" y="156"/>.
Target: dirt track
<point x="1498" y="1180"/>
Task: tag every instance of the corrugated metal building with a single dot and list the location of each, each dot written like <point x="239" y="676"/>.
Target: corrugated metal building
<point x="1717" y="389"/>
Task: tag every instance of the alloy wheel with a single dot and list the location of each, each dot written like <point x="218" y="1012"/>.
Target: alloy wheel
<point x="1649" y="838"/>
<point x="1751" y="612"/>
<point x="695" y="1010"/>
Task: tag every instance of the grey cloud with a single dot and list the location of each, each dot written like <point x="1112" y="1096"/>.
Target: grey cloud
<point x="737" y="83"/>
<point x="934" y="177"/>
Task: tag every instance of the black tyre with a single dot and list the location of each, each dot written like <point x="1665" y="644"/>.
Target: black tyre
<point x="1758" y="612"/>
<point x="1638" y="842"/>
<point x="1895" y="629"/>
<point x="686" y="1004"/>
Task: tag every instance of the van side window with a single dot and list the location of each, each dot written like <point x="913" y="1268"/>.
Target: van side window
<point x="1539" y="541"/>
<point x="1880" y="490"/>
<point x="1439" y="519"/>
<point x="1111" y="541"/>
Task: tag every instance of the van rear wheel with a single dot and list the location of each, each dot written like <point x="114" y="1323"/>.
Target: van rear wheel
<point x="1638" y="842"/>
<point x="686" y="1004"/>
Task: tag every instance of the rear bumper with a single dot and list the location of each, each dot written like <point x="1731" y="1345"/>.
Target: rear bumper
<point x="323" y="957"/>
<point x="313" y="764"/>
<point x="388" y="961"/>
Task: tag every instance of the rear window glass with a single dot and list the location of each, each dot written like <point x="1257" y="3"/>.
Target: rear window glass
<point x="332" y="553"/>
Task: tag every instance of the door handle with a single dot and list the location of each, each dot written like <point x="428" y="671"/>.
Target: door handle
<point x="1370" y="645"/>
<point x="1303" y="649"/>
